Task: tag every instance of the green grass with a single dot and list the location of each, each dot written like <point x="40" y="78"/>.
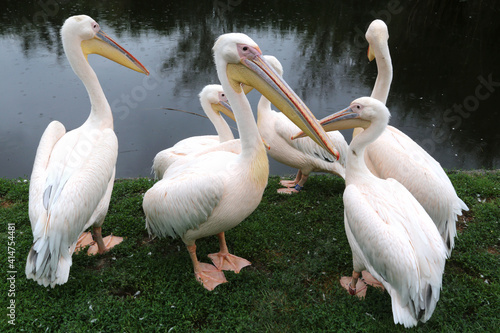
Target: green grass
<point x="298" y="249"/>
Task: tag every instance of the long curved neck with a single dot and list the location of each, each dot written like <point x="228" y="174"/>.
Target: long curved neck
<point x="221" y="126"/>
<point x="263" y="109"/>
<point x="384" y="76"/>
<point x="250" y="139"/>
<point x="251" y="142"/>
<point x="384" y="68"/>
<point x="356" y="169"/>
<point x="100" y="112"/>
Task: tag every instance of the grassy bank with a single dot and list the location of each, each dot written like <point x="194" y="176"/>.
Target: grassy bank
<point x="298" y="249"/>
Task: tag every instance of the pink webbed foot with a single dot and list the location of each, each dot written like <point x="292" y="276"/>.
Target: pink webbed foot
<point x="288" y="190"/>
<point x="369" y="279"/>
<point x="109" y="242"/>
<point x="288" y="183"/>
<point x="361" y="285"/>
<point x="359" y="290"/>
<point x="209" y="276"/>
<point x="84" y="240"/>
<point x="228" y="262"/>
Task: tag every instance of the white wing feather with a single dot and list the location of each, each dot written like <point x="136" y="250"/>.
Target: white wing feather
<point x="183" y="199"/>
<point x="50" y="136"/>
<point x="397" y="242"/>
<point x="395" y="155"/>
<point x="165" y="158"/>
<point x="78" y="174"/>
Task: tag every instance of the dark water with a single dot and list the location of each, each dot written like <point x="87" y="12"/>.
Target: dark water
<point x="445" y="93"/>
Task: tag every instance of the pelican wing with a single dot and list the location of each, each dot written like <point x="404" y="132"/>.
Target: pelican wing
<point x="395" y="155"/>
<point x="231" y="146"/>
<point x="183" y="199"/>
<point x="311" y="151"/>
<point x="400" y="246"/>
<point x="79" y="173"/>
<point x="393" y="139"/>
<point x="50" y="136"/>
<point x="165" y="158"/>
<point x="65" y="195"/>
<point x="311" y="148"/>
<point x="74" y="186"/>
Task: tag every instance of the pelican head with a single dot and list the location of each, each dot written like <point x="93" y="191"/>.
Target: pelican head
<point x="377" y="34"/>
<point x="239" y="60"/>
<point x="362" y="112"/>
<point x="82" y="31"/>
<point x="214" y="94"/>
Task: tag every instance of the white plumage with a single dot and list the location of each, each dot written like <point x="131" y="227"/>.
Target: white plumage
<point x="395" y="155"/>
<point x="73" y="172"/>
<point x="390" y="233"/>
<point x="213" y="102"/>
<point x="216" y="191"/>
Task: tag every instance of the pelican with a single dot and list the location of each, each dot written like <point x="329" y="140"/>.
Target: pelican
<point x="390" y="233"/>
<point x="213" y="102"/>
<point x="395" y="155"/>
<point x="304" y="154"/>
<point x="73" y="172"/>
<point x="216" y="191"/>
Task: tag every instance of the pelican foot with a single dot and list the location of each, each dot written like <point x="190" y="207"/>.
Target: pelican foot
<point x="109" y="242"/>
<point x="209" y="276"/>
<point x="359" y="290"/>
<point x="288" y="183"/>
<point x="228" y="262"/>
<point x="84" y="240"/>
<point x="288" y="190"/>
<point x="369" y="279"/>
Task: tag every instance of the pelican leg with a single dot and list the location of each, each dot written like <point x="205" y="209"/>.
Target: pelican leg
<point x="208" y="275"/>
<point x="102" y="245"/>
<point x="224" y="260"/>
<point x="354" y="284"/>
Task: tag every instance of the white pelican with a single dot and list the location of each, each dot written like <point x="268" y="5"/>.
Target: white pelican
<point x="73" y="172"/>
<point x="304" y="154"/>
<point x="395" y="155"/>
<point x="389" y="232"/>
<point x="218" y="190"/>
<point x="213" y="102"/>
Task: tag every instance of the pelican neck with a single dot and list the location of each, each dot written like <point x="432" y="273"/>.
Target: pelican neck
<point x="221" y="126"/>
<point x="100" y="112"/>
<point x="384" y="69"/>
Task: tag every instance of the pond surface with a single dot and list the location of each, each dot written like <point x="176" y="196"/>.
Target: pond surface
<point x="445" y="93"/>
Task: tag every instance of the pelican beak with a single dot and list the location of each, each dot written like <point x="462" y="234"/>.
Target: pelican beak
<point x="256" y="72"/>
<point x="105" y="46"/>
<point x="370" y="53"/>
<point x="343" y="119"/>
<point x="225" y="108"/>
<point x="246" y="89"/>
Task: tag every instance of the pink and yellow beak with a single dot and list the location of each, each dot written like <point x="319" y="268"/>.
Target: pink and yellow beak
<point x="105" y="46"/>
<point x="343" y="119"/>
<point x="256" y="72"/>
<point x="223" y="107"/>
